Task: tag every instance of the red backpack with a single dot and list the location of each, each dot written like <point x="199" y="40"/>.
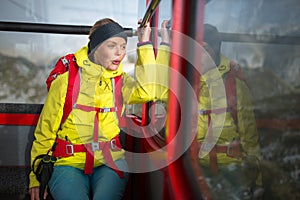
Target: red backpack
<point x="68" y="63"/>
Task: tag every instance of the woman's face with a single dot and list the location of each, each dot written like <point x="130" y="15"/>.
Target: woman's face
<point x="207" y="58"/>
<point x="110" y="53"/>
<point x="209" y="50"/>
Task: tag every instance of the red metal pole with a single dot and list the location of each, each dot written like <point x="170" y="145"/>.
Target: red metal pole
<point x="183" y="178"/>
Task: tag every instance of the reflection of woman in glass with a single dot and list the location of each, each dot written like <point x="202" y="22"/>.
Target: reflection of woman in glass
<point x="236" y="147"/>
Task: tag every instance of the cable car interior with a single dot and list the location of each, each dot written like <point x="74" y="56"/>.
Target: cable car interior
<point x="262" y="36"/>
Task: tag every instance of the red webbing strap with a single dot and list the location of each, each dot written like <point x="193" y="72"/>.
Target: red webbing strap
<point x="90" y="108"/>
<point x="89" y="160"/>
<point x="108" y="158"/>
<point x="64" y="149"/>
<point x="89" y="164"/>
<point x="230" y="87"/>
<point x="213" y="152"/>
<point x="119" y="99"/>
<point x="238" y="71"/>
<point x="73" y="88"/>
<point x="104" y="146"/>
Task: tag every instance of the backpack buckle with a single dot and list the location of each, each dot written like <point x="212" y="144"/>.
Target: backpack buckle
<point x="105" y="110"/>
<point x="207" y="146"/>
<point x="95" y="146"/>
<point x="65" y="61"/>
<point x="69" y="149"/>
<point x="234" y="149"/>
<point x="113" y="144"/>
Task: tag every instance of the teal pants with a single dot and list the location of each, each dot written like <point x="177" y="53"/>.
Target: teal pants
<point x="71" y="183"/>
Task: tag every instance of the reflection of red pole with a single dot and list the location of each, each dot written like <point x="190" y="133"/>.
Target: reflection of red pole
<point x="185" y="171"/>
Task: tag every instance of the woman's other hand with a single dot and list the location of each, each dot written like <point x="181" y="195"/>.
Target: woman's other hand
<point x="144" y="32"/>
<point x="164" y="32"/>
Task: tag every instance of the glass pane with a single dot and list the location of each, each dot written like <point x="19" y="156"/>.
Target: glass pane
<point x="271" y="66"/>
<point x="27" y="58"/>
<point x="70" y="11"/>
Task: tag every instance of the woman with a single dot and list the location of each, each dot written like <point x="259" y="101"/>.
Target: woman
<point x="90" y="172"/>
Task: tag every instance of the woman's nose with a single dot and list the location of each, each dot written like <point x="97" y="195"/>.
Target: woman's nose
<point x="118" y="50"/>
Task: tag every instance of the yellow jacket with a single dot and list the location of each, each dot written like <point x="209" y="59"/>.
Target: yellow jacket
<point x="224" y="127"/>
<point x="162" y="72"/>
<point x="79" y="125"/>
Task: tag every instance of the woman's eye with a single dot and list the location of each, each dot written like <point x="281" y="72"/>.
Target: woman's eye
<point x="123" y="47"/>
<point x="111" y="46"/>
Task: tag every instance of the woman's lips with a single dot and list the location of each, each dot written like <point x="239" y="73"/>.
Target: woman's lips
<point x="116" y="62"/>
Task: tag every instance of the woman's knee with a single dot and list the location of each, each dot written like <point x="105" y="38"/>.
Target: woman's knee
<point x="69" y="183"/>
<point x="107" y="184"/>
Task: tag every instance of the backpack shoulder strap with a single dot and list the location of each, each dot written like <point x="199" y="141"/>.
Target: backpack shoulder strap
<point x="238" y="71"/>
<point x="73" y="86"/>
<point x="230" y="86"/>
<point x="61" y="66"/>
<point x="118" y="98"/>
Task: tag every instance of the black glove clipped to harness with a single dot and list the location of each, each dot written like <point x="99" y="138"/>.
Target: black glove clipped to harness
<point x="43" y="171"/>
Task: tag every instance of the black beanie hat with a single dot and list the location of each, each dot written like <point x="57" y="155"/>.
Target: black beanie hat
<point x="212" y="38"/>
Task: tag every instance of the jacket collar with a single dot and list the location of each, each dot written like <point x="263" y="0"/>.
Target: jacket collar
<point x="84" y="62"/>
<point x="224" y="65"/>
